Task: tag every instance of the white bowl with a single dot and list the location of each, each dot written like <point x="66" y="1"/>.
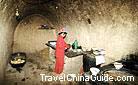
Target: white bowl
<point x="118" y="65"/>
<point x="94" y="71"/>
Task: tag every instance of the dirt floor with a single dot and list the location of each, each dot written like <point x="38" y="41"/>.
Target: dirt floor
<point x="30" y="73"/>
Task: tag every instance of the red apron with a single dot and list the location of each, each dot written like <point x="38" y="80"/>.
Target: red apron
<point x="60" y="51"/>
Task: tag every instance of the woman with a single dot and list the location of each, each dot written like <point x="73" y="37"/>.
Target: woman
<point x="61" y="46"/>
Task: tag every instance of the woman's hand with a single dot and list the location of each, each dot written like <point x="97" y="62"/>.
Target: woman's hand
<point x="67" y="49"/>
<point x="69" y="46"/>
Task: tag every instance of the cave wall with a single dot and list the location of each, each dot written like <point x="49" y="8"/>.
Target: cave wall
<point x="7" y="27"/>
<point x="113" y="24"/>
<point x="8" y="24"/>
<point x="29" y="38"/>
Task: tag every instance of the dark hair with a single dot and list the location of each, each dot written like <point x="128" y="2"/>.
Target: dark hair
<point x="62" y="32"/>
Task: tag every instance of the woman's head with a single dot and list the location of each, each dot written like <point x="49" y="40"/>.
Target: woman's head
<point x="63" y="34"/>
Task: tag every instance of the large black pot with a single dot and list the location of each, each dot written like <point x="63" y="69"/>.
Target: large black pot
<point x="15" y="57"/>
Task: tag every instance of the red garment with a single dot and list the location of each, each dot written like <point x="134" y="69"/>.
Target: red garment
<point x="60" y="51"/>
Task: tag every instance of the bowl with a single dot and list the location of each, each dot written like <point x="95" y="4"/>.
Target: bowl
<point x="118" y="65"/>
<point x="94" y="71"/>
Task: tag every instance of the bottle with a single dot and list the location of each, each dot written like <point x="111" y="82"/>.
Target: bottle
<point x="76" y="44"/>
